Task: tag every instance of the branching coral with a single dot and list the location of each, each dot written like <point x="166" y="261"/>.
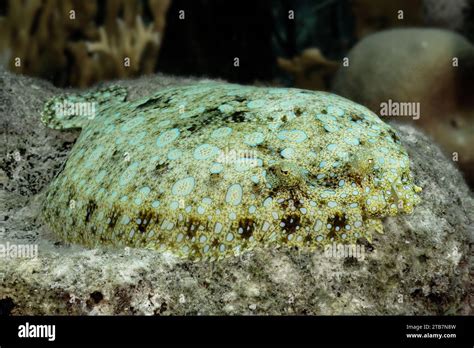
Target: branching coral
<point x="60" y="40"/>
<point x="128" y="43"/>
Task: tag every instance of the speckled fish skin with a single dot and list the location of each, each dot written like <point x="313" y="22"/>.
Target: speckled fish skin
<point x="172" y="171"/>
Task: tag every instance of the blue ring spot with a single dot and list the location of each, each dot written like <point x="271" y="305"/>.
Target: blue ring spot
<point x="253" y="139"/>
<point x="183" y="187"/>
<point x="145" y="190"/>
<point x="288" y="152"/>
<point x="254" y="104"/>
<point x="167" y="137"/>
<point x="205" y="151"/>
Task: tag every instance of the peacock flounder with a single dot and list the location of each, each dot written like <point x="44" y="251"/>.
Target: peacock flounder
<point x="212" y="170"/>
